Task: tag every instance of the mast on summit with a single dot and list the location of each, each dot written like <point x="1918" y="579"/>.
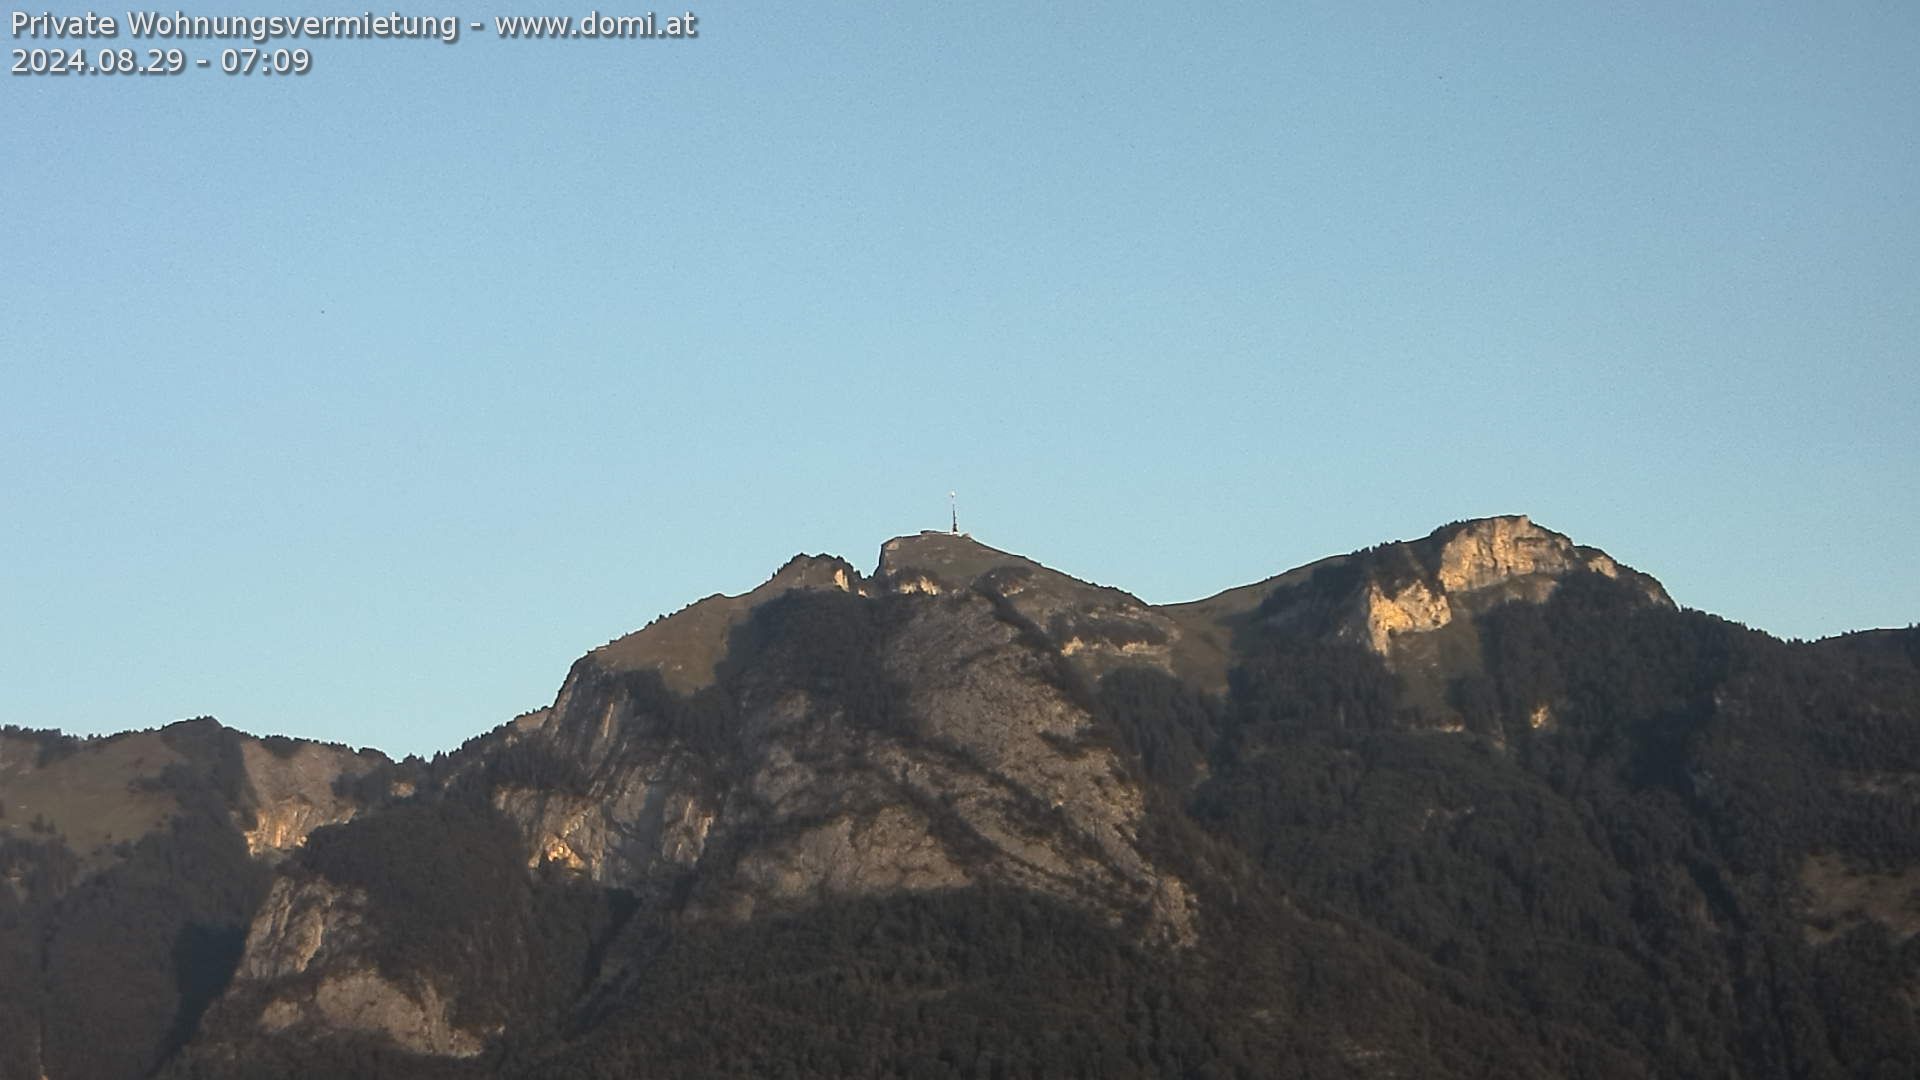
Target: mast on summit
<point x="953" y="508"/>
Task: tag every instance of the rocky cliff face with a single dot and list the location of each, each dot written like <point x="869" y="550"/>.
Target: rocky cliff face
<point x="1387" y="597"/>
<point x="292" y="792"/>
<point x="969" y="815"/>
<point x="144" y="855"/>
<point x="309" y="971"/>
<point x="96" y="795"/>
<point x="978" y="768"/>
<point x="824" y="736"/>
<point x="828" y="736"/>
<point x="1478" y="564"/>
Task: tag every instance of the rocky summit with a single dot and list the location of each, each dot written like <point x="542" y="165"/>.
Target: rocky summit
<point x="1484" y="803"/>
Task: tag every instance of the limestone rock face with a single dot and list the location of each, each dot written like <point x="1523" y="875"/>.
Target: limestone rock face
<point x="294" y="793"/>
<point x="761" y="795"/>
<point x="306" y="966"/>
<point x="691" y="776"/>
<point x="828" y="735"/>
<point x="1386" y="597"/>
<point x="632" y="824"/>
<point x="1480" y="564"/>
<point x="1100" y="628"/>
<point x="303" y="921"/>
<point x="1415" y="609"/>
<point x="1494" y="551"/>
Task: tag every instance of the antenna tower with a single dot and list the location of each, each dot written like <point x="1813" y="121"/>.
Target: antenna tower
<point x="953" y="509"/>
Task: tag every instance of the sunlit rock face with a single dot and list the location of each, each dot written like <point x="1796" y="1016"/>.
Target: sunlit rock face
<point x="296" y="792"/>
<point x="1415" y="609"/>
<point x="691" y="772"/>
<point x="978" y="767"/>
<point x="1494" y="551"/>
<point x="1345" y="813"/>
<point x="1480" y="564"/>
<point x="1386" y="597"/>
<point x="307" y="971"/>
<point x="829" y="735"/>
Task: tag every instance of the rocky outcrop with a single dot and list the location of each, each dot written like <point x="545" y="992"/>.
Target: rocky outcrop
<point x="983" y="770"/>
<point x="308" y="971"/>
<point x="1495" y="551"/>
<point x="1379" y="617"/>
<point x="1386" y="596"/>
<point x="632" y="824"/>
<point x="1100" y="628"/>
<point x="988" y="772"/>
<point x="303" y="920"/>
<point x="1024" y="772"/>
<point x="295" y="792"/>
<point x="826" y="736"/>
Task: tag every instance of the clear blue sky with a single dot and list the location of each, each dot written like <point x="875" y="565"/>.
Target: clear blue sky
<point x="357" y="406"/>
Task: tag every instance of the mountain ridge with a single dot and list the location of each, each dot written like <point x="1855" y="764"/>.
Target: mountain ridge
<point x="1450" y="765"/>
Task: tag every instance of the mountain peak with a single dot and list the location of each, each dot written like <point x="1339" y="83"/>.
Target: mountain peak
<point x="935" y="562"/>
<point x="877" y="788"/>
<point x="942" y="560"/>
<point x="1389" y="595"/>
<point x="684" y="647"/>
<point x="1391" y="598"/>
<point x="1484" y="552"/>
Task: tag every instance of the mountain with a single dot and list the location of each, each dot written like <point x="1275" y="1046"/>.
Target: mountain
<point x="1486" y="803"/>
